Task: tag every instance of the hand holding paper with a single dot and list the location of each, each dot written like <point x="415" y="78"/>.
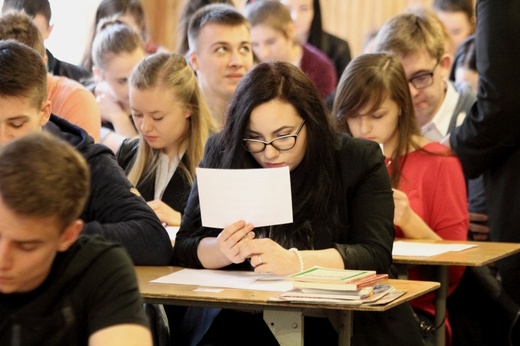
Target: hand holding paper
<point x="233" y="238"/>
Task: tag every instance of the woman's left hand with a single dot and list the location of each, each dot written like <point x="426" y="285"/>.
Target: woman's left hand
<point x="267" y="256"/>
<point x="165" y="213"/>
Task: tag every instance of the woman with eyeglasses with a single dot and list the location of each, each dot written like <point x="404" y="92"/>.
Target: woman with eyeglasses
<point x="373" y="102"/>
<point x="342" y="206"/>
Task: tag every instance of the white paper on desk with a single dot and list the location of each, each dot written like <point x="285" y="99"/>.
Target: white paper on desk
<point x="417" y="249"/>
<point x="226" y="279"/>
<point x="261" y="197"/>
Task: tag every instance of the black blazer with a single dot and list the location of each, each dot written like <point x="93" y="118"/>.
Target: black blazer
<point x="178" y="188"/>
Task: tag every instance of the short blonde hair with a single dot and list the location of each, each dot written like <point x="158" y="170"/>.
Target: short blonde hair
<point x="412" y="32"/>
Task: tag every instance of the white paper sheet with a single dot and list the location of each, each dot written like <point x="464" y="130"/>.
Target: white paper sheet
<point x="417" y="249"/>
<point x="227" y="279"/>
<point x="261" y="197"/>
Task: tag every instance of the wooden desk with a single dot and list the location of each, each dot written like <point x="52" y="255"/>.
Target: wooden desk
<point x="484" y="253"/>
<point x="285" y="319"/>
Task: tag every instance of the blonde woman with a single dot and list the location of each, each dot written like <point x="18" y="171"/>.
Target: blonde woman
<point x="173" y="122"/>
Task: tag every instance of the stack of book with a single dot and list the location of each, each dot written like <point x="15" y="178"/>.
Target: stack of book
<point x="341" y="286"/>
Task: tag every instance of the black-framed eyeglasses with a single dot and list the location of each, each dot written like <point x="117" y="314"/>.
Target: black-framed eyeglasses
<point x="423" y="80"/>
<point x="281" y="143"/>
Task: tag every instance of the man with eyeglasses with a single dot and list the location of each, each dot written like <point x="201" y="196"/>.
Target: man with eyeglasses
<point x="419" y="40"/>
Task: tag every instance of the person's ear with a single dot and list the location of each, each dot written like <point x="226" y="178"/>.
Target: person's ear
<point x="45" y="113"/>
<point x="445" y="65"/>
<point x="47" y="33"/>
<point x="70" y="234"/>
<point x="194" y="60"/>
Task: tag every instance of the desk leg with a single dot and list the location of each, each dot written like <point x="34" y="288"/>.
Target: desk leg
<point x="286" y="326"/>
<point x="345" y="328"/>
<point x="440" y="305"/>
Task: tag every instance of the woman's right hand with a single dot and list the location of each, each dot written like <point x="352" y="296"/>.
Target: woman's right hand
<point x="233" y="238"/>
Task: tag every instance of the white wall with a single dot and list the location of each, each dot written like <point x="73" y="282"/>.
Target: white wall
<point x="72" y="21"/>
<point x="72" y="24"/>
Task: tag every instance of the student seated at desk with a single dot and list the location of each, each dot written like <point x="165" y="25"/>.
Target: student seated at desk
<point x="342" y="207"/>
<point x="173" y="123"/>
<point x="373" y="102"/>
<point x="112" y="210"/>
<point x="56" y="288"/>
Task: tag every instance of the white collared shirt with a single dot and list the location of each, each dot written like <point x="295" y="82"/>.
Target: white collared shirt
<point x="437" y="129"/>
<point x="164" y="173"/>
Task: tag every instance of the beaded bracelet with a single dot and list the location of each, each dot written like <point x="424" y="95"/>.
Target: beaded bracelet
<point x="300" y="259"/>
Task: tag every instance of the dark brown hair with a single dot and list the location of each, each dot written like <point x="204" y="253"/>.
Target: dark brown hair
<point x="43" y="176"/>
<point x="368" y="80"/>
<point x="190" y="7"/>
<point x="220" y="14"/>
<point x="22" y="72"/>
<point x="314" y="194"/>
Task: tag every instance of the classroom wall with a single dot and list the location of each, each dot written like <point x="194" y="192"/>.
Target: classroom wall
<point x="349" y="19"/>
<point x="354" y="19"/>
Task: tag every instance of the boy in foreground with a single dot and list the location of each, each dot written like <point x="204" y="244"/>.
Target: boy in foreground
<point x="57" y="288"/>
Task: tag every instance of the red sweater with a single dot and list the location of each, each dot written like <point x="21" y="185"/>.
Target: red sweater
<point x="436" y="190"/>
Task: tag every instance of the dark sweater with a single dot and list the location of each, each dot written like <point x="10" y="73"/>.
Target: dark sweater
<point x="91" y="286"/>
<point x="112" y="210"/>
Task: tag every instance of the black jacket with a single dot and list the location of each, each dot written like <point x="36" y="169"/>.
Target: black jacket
<point x="335" y="48"/>
<point x="488" y="142"/>
<point x="112" y="210"/>
<point x="364" y="237"/>
<point x="178" y="189"/>
<point x="65" y="69"/>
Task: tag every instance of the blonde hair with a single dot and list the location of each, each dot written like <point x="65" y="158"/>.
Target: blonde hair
<point x="171" y="71"/>
<point x="416" y="30"/>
